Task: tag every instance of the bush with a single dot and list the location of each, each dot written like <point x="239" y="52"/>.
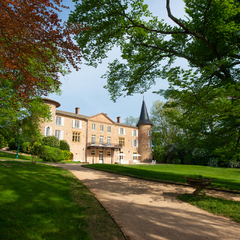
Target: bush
<point x="25" y="147"/>
<point x="36" y="150"/>
<point x="13" y="144"/>
<point x="66" y="155"/>
<point x="3" y="142"/>
<point x="51" y="154"/>
<point x="233" y="164"/>
<point x="64" y="145"/>
<point x="212" y="162"/>
<point x="51" y="141"/>
<point x="188" y="159"/>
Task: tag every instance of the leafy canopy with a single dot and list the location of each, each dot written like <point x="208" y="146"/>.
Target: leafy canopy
<point x="34" y="45"/>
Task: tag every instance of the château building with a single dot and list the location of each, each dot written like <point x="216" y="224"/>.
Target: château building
<point x="98" y="139"/>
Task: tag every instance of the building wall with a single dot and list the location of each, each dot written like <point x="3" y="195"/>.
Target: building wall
<point x="82" y="150"/>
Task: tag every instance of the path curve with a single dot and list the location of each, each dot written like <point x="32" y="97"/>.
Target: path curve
<point x="147" y="210"/>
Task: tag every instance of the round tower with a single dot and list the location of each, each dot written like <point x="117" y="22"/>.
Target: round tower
<point x="144" y="135"/>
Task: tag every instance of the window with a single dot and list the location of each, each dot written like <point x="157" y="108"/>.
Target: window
<point x="93" y="126"/>
<point x="109" y="129"/>
<point x="149" y="143"/>
<point x="60" y="121"/>
<point x="109" y="140"/>
<point x="48" y="131"/>
<point x="93" y="139"/>
<point x="134" y="133"/>
<point x="108" y="153"/>
<point x="121" y="155"/>
<point x="76" y="137"/>
<point x="101" y="140"/>
<point x="121" y="131"/>
<point x="101" y="128"/>
<point x="149" y="133"/>
<point x="57" y="134"/>
<point x="134" y="156"/>
<point x="77" y="124"/>
<point x="93" y="152"/>
<point x="122" y="142"/>
<point x="135" y="143"/>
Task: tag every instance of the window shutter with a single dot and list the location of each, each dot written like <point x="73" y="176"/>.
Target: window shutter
<point x="137" y="132"/>
<point x="61" y="135"/>
<point x="132" y="143"/>
<point x="137" y="143"/>
<point x="118" y="130"/>
<point x="124" y="131"/>
<point x="132" y="132"/>
<point x="45" y="131"/>
<point x="50" y="132"/>
<point x="80" y="124"/>
<point x="73" y="124"/>
<point x="62" y="121"/>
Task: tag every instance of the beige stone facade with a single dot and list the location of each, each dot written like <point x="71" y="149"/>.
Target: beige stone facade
<point x="98" y="139"/>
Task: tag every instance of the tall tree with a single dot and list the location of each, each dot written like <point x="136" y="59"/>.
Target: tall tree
<point x="34" y="45"/>
<point x="207" y="38"/>
<point x="131" y="121"/>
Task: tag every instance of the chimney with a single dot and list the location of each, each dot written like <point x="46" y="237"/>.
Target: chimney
<point x="118" y="119"/>
<point x="77" y="110"/>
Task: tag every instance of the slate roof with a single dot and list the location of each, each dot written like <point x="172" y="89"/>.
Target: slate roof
<point x="144" y="118"/>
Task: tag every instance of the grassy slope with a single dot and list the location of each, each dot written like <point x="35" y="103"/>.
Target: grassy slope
<point x="226" y="178"/>
<point x="44" y="202"/>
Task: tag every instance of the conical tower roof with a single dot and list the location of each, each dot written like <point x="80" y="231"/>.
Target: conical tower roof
<point x="144" y="119"/>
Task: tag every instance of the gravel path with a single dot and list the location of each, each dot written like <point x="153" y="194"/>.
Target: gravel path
<point x="147" y="210"/>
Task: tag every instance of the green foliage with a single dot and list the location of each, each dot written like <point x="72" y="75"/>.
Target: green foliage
<point x="207" y="39"/>
<point x="51" y="141"/>
<point x="159" y="154"/>
<point x="3" y="142"/>
<point x="66" y="155"/>
<point x="64" y="145"/>
<point x="13" y="143"/>
<point x="131" y="121"/>
<point x="25" y="146"/>
<point x="36" y="150"/>
<point x="52" y="154"/>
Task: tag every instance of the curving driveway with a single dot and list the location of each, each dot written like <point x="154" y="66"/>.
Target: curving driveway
<point x="147" y="210"/>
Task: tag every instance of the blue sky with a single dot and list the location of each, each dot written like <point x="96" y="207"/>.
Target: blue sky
<point x="84" y="88"/>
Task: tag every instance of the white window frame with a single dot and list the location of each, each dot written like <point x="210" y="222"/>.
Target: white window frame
<point x="59" y="121"/>
<point x="149" y="132"/>
<point x="93" y="137"/>
<point x="108" y="140"/>
<point x="101" y="140"/>
<point x="57" y="134"/>
<point x="121" y="131"/>
<point x="101" y="128"/>
<point x="109" y="129"/>
<point x="149" y="143"/>
<point x="134" y="132"/>
<point x="94" y="126"/>
<point x="77" y="124"/>
<point x="135" y="143"/>
<point x="47" y="131"/>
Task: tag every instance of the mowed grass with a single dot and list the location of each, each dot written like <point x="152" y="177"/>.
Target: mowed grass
<point x="217" y="206"/>
<point x="12" y="156"/>
<point x="45" y="202"/>
<point x="225" y="178"/>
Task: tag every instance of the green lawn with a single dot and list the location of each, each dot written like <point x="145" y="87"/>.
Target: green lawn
<point x="45" y="202"/>
<point x="226" y="178"/>
<point x="11" y="156"/>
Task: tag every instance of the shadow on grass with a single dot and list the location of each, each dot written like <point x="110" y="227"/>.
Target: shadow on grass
<point x="217" y="182"/>
<point x="36" y="203"/>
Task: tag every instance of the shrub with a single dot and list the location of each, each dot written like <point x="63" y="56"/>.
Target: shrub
<point x="233" y="164"/>
<point x="25" y="146"/>
<point x="51" y="154"/>
<point x="66" y="155"/>
<point x="51" y="141"/>
<point x="13" y="144"/>
<point x="176" y="161"/>
<point x="213" y="162"/>
<point x="188" y="159"/>
<point x="64" y="145"/>
<point x="3" y="142"/>
<point x="36" y="150"/>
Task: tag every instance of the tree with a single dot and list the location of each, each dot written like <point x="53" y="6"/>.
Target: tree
<point x="34" y="46"/>
<point x="131" y="121"/>
<point x="207" y="38"/>
<point x="163" y="131"/>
